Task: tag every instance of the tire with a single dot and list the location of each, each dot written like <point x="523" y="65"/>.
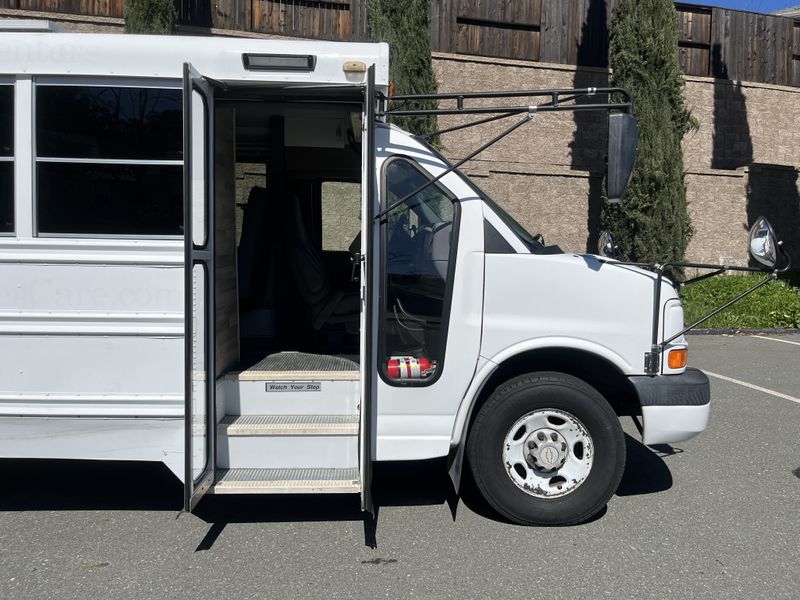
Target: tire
<point x="533" y="432"/>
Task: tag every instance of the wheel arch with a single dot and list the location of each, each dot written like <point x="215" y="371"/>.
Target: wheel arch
<point x="603" y="373"/>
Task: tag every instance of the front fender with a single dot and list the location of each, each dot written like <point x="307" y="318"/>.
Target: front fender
<point x="488" y="366"/>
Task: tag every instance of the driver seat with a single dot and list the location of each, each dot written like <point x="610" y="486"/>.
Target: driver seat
<point x="326" y="307"/>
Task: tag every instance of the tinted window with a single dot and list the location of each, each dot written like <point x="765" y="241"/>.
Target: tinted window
<point x="6" y="120"/>
<point x="418" y="249"/>
<point x="109" y="122"/>
<point x="6" y="196"/>
<point x="110" y="199"/>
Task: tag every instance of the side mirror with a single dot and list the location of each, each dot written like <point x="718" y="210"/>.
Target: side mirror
<point x="763" y="244"/>
<point x="605" y="245"/>
<point x="623" y="137"/>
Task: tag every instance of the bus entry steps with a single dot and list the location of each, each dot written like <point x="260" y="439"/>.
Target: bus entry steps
<point x="287" y="481"/>
<point x="290" y="393"/>
<point x="288" y="442"/>
<point x="298" y="366"/>
<point x="252" y="425"/>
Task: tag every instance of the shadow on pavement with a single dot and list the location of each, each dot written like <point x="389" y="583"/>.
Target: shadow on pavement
<point x="95" y="485"/>
<point x="645" y="471"/>
<point x="38" y="484"/>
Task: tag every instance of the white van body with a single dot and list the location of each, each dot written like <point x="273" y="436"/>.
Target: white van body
<point x="93" y="360"/>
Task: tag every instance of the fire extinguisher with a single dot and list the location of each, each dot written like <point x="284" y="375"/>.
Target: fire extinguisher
<point x="409" y="367"/>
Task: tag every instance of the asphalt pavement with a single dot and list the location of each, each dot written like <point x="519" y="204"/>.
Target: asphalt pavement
<point x="718" y="516"/>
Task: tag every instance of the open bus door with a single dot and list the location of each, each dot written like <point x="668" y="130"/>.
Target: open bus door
<point x="198" y="195"/>
<point x="368" y="228"/>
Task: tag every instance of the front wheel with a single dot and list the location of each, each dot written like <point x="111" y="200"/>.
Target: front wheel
<point x="546" y="449"/>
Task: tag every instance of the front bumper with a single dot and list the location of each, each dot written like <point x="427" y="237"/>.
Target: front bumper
<point x="675" y="408"/>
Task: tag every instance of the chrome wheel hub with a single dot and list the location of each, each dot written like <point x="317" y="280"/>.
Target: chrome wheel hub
<point x="548" y="453"/>
<point x="546" y="450"/>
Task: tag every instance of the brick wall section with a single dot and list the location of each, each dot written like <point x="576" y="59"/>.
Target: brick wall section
<point x="717" y="203"/>
<point x="742" y="161"/>
<point x="551" y="201"/>
<point x="547" y="140"/>
<point x="742" y="122"/>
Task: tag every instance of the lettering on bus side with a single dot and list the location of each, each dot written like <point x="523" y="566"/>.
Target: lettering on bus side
<point x="294" y="386"/>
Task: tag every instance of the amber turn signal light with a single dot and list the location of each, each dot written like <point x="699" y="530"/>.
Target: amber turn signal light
<point x="677" y="358"/>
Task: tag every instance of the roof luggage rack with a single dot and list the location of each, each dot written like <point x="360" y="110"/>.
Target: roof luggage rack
<point x="560" y="100"/>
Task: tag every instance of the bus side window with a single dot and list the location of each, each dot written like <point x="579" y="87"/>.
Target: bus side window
<point x="340" y="214"/>
<point x="418" y="253"/>
<point x="109" y="160"/>
<point x="6" y="158"/>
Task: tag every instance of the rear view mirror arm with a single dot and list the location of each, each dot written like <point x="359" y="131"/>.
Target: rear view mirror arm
<point x="651" y="359"/>
<point x="558" y="98"/>
<point x="452" y="168"/>
<point x="770" y="277"/>
<point x="719" y="271"/>
<point x="497" y="117"/>
<point x="428" y="136"/>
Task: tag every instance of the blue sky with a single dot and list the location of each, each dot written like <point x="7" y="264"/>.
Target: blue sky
<point x="763" y="6"/>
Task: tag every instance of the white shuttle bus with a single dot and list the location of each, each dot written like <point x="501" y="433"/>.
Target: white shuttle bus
<point x="216" y="254"/>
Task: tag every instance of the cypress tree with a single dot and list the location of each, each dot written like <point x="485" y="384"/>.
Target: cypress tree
<point x="404" y="25"/>
<point x="652" y="222"/>
<point x="150" y="16"/>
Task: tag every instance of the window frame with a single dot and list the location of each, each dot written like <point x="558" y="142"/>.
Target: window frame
<point x="119" y="82"/>
<point x="11" y="83"/>
<point x="447" y="302"/>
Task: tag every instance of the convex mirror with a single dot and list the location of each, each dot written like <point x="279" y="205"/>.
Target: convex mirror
<point x="605" y="245"/>
<point x="763" y="244"/>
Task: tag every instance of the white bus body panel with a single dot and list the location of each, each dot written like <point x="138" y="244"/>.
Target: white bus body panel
<point x="162" y="56"/>
<point x="416" y="422"/>
<point x="92" y="360"/>
<point x="503" y="305"/>
<point x="567" y="300"/>
<point x="155" y="440"/>
<point x="93" y="328"/>
<point x="94" y="336"/>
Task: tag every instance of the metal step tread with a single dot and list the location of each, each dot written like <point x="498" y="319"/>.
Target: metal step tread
<point x="255" y="375"/>
<point x="299" y="366"/>
<point x="252" y="425"/>
<point x="287" y="481"/>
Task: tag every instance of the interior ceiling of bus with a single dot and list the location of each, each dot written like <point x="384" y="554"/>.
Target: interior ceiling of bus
<point x="318" y="137"/>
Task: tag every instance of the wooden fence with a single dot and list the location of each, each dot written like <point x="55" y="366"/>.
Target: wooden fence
<point x="327" y="20"/>
<point x="738" y="45"/>
<point x="94" y="8"/>
<point x="713" y="42"/>
<point x="558" y="31"/>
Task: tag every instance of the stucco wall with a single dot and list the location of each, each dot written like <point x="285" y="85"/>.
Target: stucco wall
<point x="742" y="160"/>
